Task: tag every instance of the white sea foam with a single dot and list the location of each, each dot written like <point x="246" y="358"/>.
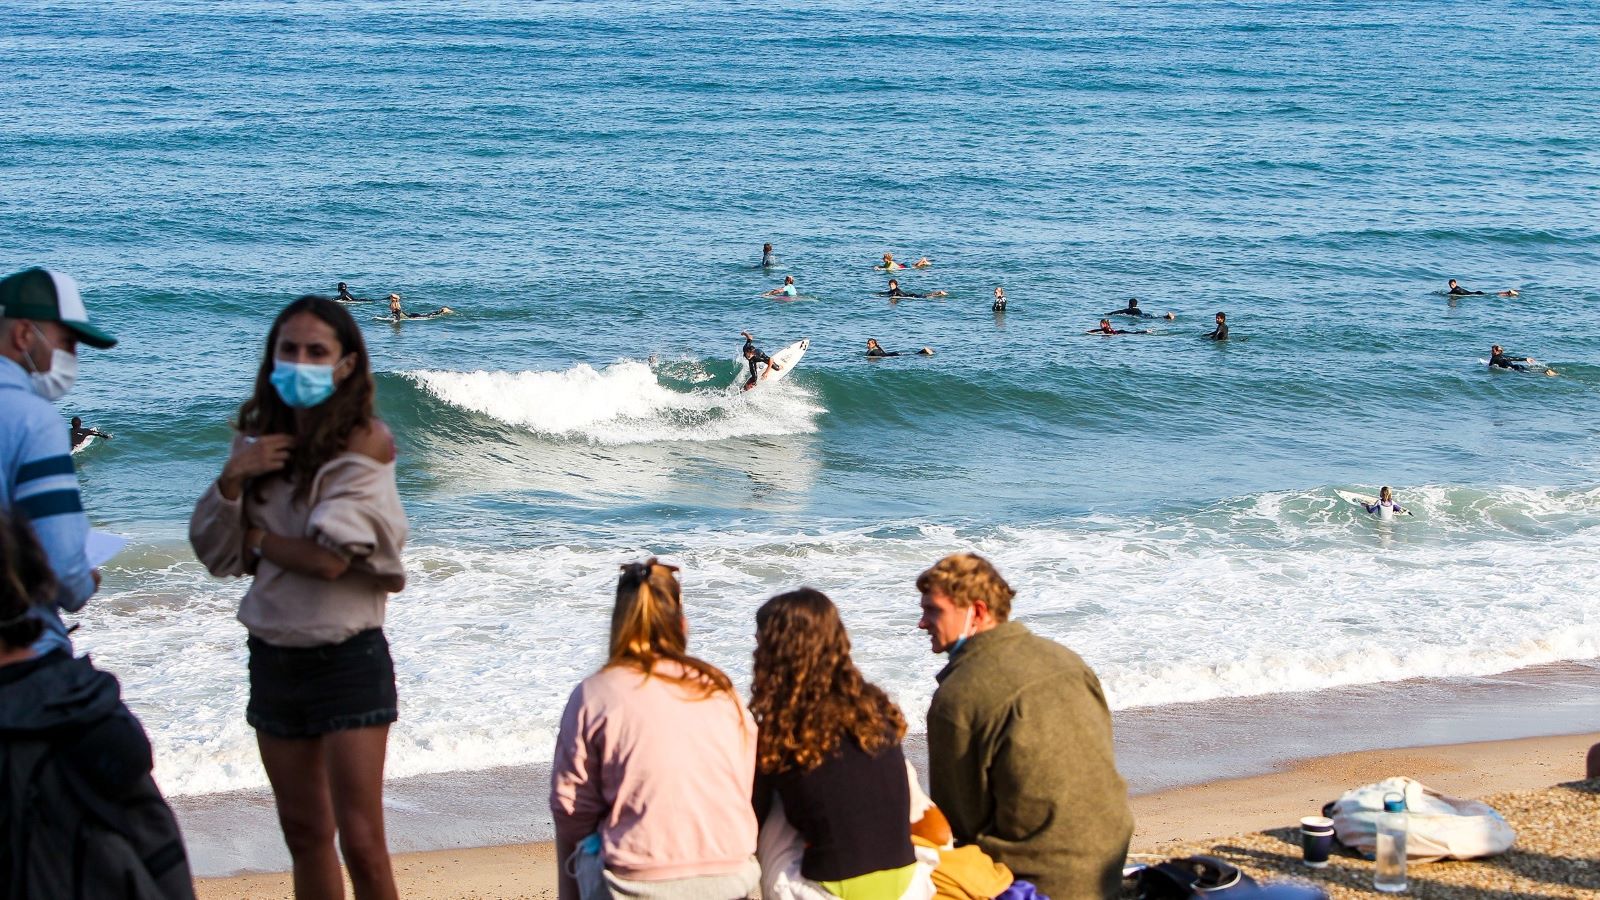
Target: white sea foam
<point x="1283" y="592"/>
<point x="624" y="403"/>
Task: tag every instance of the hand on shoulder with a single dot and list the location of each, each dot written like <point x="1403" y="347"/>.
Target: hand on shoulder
<point x="374" y="440"/>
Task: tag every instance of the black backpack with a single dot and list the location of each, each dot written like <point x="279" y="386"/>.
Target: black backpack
<point x="1193" y="876"/>
<point x="65" y="841"/>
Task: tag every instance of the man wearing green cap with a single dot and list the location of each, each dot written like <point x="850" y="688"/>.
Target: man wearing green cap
<point x="42" y="321"/>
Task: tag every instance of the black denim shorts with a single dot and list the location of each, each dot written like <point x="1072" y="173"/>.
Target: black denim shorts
<point x="303" y="692"/>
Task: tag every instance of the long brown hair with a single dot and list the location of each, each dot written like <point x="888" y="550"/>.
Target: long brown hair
<point x="328" y="424"/>
<point x="807" y="693"/>
<point x="26" y="581"/>
<point x="647" y="627"/>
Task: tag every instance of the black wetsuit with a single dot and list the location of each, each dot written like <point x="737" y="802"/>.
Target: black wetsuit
<point x="754" y="356"/>
<point x="897" y="293"/>
<point x="345" y="297"/>
<point x="1112" y="331"/>
<point x="1459" y="291"/>
<point x="1221" y="332"/>
<point x="1131" y="310"/>
<point x="999" y="305"/>
<point x="1502" y="361"/>
<point x="768" y="260"/>
<point x="879" y="351"/>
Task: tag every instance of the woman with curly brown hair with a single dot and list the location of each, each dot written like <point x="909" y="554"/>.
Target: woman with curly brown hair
<point x="307" y="506"/>
<point x="828" y="752"/>
<point x="650" y="785"/>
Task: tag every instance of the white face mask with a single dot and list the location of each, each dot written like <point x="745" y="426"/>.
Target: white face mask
<point x="962" y="639"/>
<point x="52" y="385"/>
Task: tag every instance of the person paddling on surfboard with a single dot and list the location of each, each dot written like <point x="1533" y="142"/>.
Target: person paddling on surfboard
<point x="894" y="292"/>
<point x="1220" y="333"/>
<point x="1132" y="309"/>
<point x="1105" y="328"/>
<point x="346" y="297"/>
<point x="788" y="291"/>
<point x="876" y="351"/>
<point x="1385" y="508"/>
<point x="79" y="432"/>
<point x="1457" y="290"/>
<point x="753" y="356"/>
<point x="1499" y="360"/>
<point x="397" y="313"/>
<point x="889" y="265"/>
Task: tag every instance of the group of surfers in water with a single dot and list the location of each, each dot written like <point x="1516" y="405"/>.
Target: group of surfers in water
<point x="1497" y="358"/>
<point x="397" y="312"/>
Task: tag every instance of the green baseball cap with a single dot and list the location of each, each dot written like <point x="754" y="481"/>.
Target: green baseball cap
<point x="46" y="296"/>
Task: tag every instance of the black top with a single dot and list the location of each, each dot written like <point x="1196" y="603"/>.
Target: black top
<point x="79" y="710"/>
<point x="853" y="812"/>
<point x="756" y="356"/>
<point x="1502" y="361"/>
<point x="1460" y="291"/>
<point x="1221" y="332"/>
<point x="879" y="351"/>
<point x="896" y="292"/>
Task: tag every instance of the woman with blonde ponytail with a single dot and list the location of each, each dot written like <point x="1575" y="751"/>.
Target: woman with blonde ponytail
<point x="650" y="785"/>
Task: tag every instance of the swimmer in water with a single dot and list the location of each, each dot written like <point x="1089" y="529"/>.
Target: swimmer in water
<point x="1385" y="508"/>
<point x="80" y="433"/>
<point x="1220" y="333"/>
<point x="768" y="258"/>
<point x="1132" y="309"/>
<point x="889" y="265"/>
<point x="894" y="292"/>
<point x="788" y="290"/>
<point x="753" y="356"/>
<point x="1105" y="328"/>
<point x="1457" y="290"/>
<point x="999" y="300"/>
<point x="876" y="351"/>
<point x="345" y="297"/>
<point x="1499" y="360"/>
<point x="397" y="314"/>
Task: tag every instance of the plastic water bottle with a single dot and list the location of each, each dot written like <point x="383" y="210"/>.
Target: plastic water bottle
<point x="1389" y="871"/>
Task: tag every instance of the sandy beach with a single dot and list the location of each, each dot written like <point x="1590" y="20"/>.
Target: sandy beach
<point x="1243" y="815"/>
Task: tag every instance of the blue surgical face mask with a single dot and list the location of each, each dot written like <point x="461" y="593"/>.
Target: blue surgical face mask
<point x="965" y="624"/>
<point x="302" y="385"/>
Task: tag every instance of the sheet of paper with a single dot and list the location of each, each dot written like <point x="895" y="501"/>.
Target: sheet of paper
<point x="100" y="546"/>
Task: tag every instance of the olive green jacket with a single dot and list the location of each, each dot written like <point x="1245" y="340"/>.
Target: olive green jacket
<point x="1020" y="760"/>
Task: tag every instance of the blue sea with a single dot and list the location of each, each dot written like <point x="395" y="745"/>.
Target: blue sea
<point x="589" y="185"/>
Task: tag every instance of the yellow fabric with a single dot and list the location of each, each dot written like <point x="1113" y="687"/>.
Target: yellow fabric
<point x="967" y="873"/>
<point x="884" y="884"/>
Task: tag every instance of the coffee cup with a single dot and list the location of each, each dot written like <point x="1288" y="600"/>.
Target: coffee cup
<point x="1316" y="840"/>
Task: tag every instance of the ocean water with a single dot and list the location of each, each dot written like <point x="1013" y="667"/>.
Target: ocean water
<point x="589" y="184"/>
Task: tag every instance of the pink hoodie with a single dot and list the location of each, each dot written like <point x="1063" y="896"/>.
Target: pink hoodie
<point x="663" y="776"/>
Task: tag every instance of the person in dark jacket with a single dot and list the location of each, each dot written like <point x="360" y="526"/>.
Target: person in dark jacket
<point x="1020" y="757"/>
<point x="79" y="813"/>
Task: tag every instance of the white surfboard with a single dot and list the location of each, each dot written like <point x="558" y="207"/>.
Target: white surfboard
<point x="86" y="443"/>
<point x="787" y="359"/>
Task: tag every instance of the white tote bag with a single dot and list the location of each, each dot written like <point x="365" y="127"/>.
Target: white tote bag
<point x="1438" y="827"/>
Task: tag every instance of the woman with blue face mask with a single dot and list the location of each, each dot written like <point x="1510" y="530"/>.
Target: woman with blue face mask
<point x="306" y="506"/>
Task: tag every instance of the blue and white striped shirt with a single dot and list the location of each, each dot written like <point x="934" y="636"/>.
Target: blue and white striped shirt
<point x="37" y="477"/>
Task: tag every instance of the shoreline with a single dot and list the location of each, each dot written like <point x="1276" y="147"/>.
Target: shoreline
<point x="1193" y="813"/>
<point x="1158" y="749"/>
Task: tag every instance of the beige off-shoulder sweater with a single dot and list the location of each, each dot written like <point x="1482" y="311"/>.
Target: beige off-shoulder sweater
<point x="353" y="509"/>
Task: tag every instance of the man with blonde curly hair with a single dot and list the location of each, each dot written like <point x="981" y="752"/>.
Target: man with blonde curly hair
<point x="1020" y="757"/>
